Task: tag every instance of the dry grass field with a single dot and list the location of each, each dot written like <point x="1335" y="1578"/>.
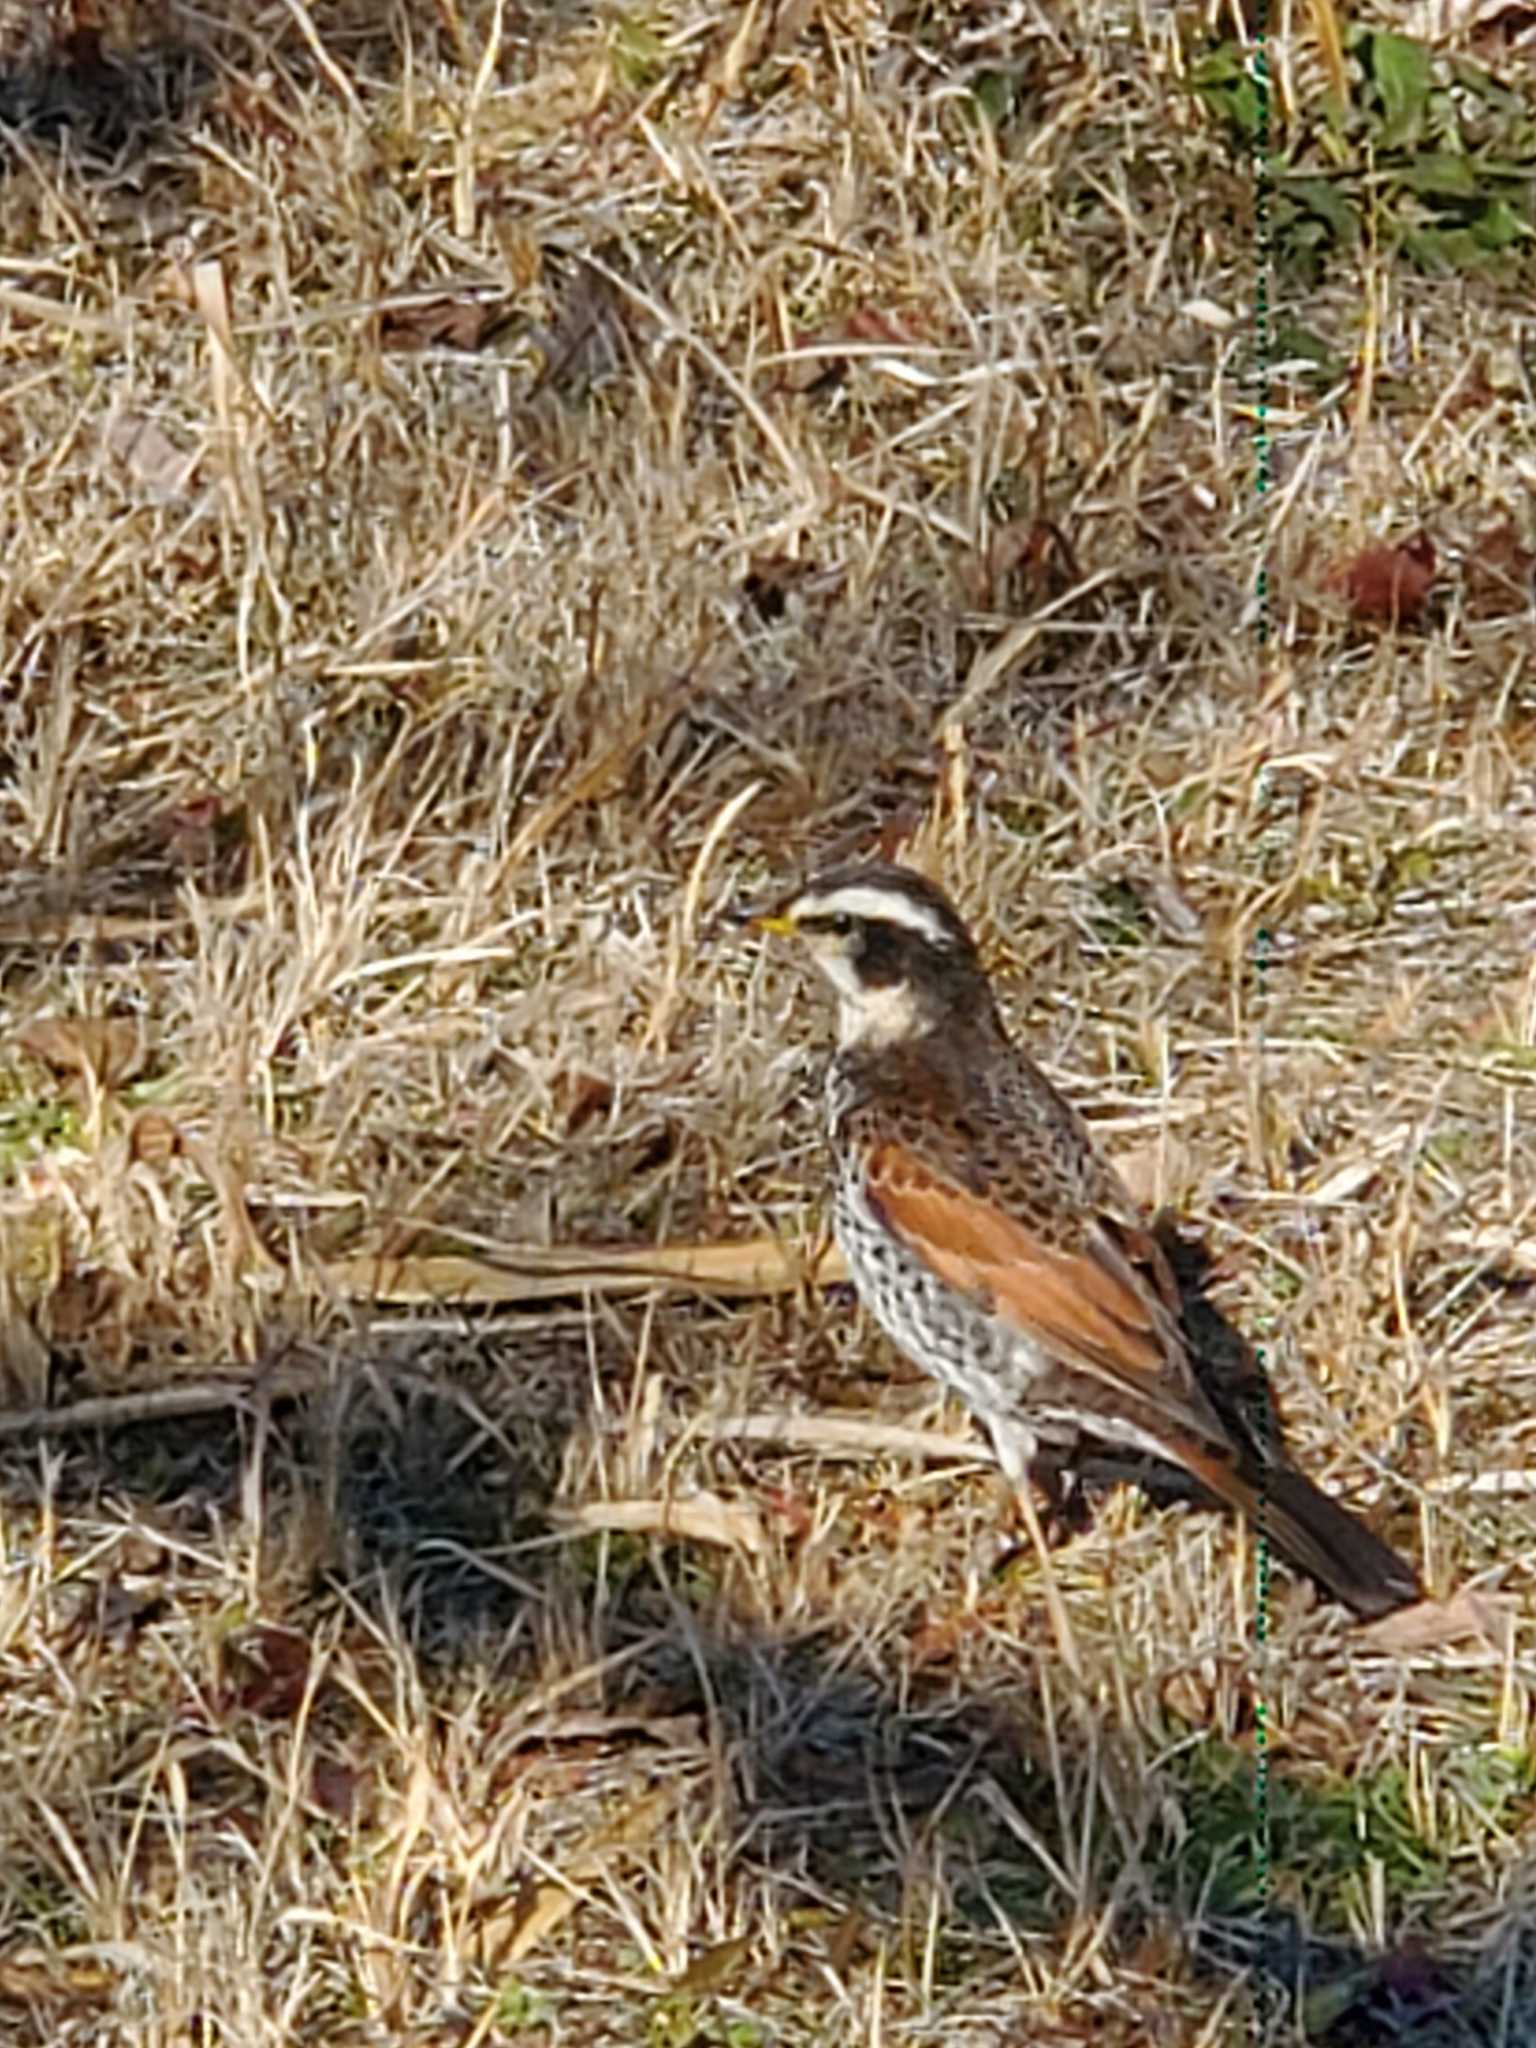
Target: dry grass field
<point x="486" y="489"/>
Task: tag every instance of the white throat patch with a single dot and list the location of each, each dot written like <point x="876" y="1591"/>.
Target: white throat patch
<point x="877" y="1016"/>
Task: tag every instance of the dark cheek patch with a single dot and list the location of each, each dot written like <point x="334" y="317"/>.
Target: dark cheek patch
<point x="881" y="957"/>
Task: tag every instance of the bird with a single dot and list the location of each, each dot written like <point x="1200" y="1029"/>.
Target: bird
<point x="1002" y="1253"/>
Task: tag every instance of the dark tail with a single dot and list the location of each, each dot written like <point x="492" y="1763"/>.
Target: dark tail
<point x="1331" y="1545"/>
<point x="1310" y="1530"/>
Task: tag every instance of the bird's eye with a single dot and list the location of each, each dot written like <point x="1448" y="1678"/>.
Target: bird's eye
<point x="840" y="925"/>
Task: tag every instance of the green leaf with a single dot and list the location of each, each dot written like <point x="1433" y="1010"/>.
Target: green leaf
<point x="996" y="95"/>
<point x="1498" y="167"/>
<point x="519" y="2007"/>
<point x="1219" y="66"/>
<point x="1224" y="81"/>
<point x="1400" y="68"/>
<point x="1329" y="202"/>
<point x="1445" y="249"/>
<point x="639" y="54"/>
<point x="1440" y="174"/>
<point x="1498" y="225"/>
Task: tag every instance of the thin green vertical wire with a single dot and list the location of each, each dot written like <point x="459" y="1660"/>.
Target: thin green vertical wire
<point x="1265" y="1983"/>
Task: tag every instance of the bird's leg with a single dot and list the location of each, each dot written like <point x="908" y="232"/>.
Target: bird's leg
<point x="1018" y="1452"/>
<point x="1054" y="1474"/>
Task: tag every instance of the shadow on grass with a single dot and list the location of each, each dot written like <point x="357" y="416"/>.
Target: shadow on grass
<point x="109" y="95"/>
<point x="976" y="1844"/>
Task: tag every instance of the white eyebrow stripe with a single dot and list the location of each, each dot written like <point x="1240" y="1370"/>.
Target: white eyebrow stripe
<point x="882" y="906"/>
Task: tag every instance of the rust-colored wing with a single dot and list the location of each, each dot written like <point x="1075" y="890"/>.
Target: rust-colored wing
<point x="1099" y="1312"/>
<point x="1089" y="1309"/>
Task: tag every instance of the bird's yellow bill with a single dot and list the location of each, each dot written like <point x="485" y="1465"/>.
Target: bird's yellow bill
<point x="776" y="924"/>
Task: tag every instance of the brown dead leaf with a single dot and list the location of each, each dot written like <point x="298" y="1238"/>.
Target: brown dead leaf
<point x="155" y="465"/>
<point x="1432" y="1624"/>
<point x="335" y="1787"/>
<point x="26" y="1363"/>
<point x="717" y="1969"/>
<point x="822" y="353"/>
<point x="448" y="322"/>
<point x="898" y="832"/>
<point x="847" y="1938"/>
<point x="700" y="1518"/>
<point x="1025" y="559"/>
<point x="81" y="1303"/>
<point x="209" y="833"/>
<point x="1499" y="575"/>
<point x="109" y="1049"/>
<point x="790" y="1510"/>
<point x="873" y="323"/>
<point x="549" y="1906"/>
<point x="1489" y="30"/>
<point x="252" y="109"/>
<point x="753" y="1266"/>
<point x="271" y="1670"/>
<point x="154" y="1140"/>
<point x="1388" y="583"/>
<point x="581" y="1098"/>
<point x="936" y="1639"/>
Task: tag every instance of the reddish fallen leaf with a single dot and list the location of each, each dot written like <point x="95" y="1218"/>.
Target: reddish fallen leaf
<point x="197" y="814"/>
<point x="789" y="1510"/>
<point x="335" y="1787"/>
<point x="1388" y="582"/>
<point x="81" y="1304"/>
<point x="439" y="323"/>
<point x="869" y="323"/>
<point x="936" y="1640"/>
<point x="582" y="1097"/>
<point x="271" y="1666"/>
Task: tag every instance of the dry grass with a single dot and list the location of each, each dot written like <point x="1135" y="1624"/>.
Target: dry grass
<point x="373" y="720"/>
